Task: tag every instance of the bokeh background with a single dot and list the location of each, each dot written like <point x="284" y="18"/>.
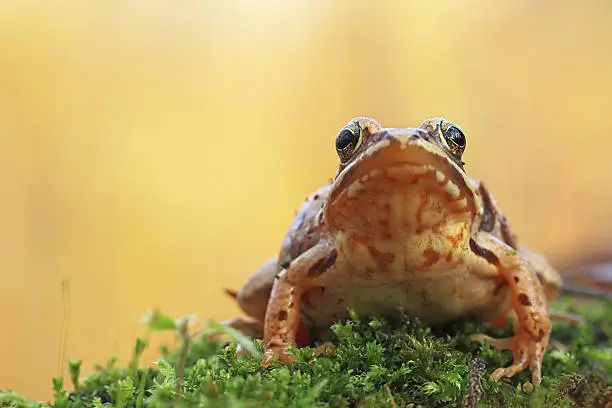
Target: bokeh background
<point x="153" y="152"/>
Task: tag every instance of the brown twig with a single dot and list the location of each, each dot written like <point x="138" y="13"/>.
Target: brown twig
<point x="393" y="404"/>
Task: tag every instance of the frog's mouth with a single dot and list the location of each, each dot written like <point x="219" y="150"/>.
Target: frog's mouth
<point x="401" y="161"/>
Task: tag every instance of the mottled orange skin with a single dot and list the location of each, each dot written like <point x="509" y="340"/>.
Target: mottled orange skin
<point x="402" y="226"/>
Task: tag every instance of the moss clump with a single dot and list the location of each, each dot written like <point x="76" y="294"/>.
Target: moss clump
<point x="378" y="362"/>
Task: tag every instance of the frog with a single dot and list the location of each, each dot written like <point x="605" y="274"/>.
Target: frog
<point x="402" y="226"/>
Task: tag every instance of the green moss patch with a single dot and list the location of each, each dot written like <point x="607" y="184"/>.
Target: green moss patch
<point x="378" y="362"/>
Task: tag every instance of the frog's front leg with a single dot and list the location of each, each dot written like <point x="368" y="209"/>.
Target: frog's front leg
<point x="283" y="312"/>
<point x="532" y="328"/>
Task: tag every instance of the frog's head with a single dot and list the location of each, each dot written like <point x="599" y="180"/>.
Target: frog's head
<point x="398" y="181"/>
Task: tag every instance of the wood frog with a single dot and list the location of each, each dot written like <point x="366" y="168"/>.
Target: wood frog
<point x="402" y="225"/>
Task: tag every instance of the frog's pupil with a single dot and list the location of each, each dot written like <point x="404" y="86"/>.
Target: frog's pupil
<point x="344" y="139"/>
<point x="456" y="136"/>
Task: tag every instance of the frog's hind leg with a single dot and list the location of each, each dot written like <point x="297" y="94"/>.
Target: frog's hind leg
<point x="532" y="327"/>
<point x="254" y="295"/>
<point x="252" y="299"/>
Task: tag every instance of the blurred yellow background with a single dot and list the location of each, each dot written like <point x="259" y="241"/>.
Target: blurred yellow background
<point x="154" y="152"/>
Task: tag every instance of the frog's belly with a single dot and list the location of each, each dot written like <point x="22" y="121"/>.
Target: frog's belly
<point x="432" y="300"/>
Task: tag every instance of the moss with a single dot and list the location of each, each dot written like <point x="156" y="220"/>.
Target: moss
<point x="378" y="362"/>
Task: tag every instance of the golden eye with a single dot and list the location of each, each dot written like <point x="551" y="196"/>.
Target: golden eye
<point x="347" y="141"/>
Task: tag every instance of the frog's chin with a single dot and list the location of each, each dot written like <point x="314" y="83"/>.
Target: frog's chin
<point x="403" y="162"/>
<point x="408" y="184"/>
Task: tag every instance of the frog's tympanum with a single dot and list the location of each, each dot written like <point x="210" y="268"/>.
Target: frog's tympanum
<point x="402" y="226"/>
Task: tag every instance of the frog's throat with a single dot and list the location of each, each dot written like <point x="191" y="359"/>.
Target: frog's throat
<point x="405" y="158"/>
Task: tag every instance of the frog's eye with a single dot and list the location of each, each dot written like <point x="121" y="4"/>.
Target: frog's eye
<point x="454" y="139"/>
<point x="347" y="141"/>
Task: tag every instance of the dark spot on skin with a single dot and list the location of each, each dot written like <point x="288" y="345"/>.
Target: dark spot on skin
<point x="284" y="265"/>
<point x="277" y="276"/>
<point x="291" y="304"/>
<point x="323" y="264"/>
<point x="491" y="215"/>
<point x="540" y="335"/>
<point x="315" y="197"/>
<point x="489" y="256"/>
<point x="282" y="315"/>
<point x="524" y="299"/>
<point x="507" y="235"/>
<point x="488" y="217"/>
<point x="516" y="279"/>
<point x="431" y="257"/>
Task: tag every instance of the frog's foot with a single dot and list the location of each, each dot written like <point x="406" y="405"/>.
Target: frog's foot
<point x="527" y="352"/>
<point x="277" y="353"/>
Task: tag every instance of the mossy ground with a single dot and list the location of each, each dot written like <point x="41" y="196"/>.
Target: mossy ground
<point x="377" y="362"/>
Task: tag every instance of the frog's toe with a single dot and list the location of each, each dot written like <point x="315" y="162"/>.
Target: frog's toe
<point x="527" y="352"/>
<point x="508" y="371"/>
<point x="277" y="354"/>
<point x="500" y="344"/>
